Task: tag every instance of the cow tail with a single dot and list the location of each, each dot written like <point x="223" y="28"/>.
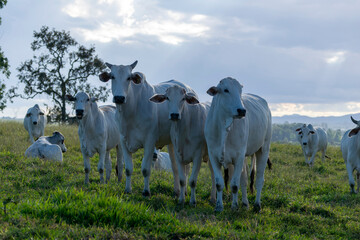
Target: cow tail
<point x="269" y="163"/>
<point x="226" y="178"/>
<point x="328" y="157"/>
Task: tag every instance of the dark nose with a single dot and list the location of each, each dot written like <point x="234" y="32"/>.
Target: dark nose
<point x="79" y="113"/>
<point x="304" y="143"/>
<point x="174" y="116"/>
<point x="241" y="112"/>
<point x="34" y="123"/>
<point x="119" y="99"/>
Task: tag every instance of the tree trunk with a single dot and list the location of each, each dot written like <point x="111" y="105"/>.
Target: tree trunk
<point x="63" y="109"/>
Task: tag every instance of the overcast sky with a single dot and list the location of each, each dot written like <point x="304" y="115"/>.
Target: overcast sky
<point x="301" y="56"/>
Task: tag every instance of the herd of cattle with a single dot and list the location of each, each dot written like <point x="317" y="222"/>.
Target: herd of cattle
<point x="234" y="125"/>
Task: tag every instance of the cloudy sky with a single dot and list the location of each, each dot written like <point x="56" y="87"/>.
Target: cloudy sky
<point x="302" y="56"/>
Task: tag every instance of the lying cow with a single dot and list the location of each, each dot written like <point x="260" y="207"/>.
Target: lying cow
<point x="98" y="133"/>
<point x="187" y="117"/>
<point x="350" y="148"/>
<point x="142" y="124"/>
<point x="237" y="125"/>
<point x="312" y="140"/>
<point x="161" y="161"/>
<point x="34" y="122"/>
<point x="50" y="148"/>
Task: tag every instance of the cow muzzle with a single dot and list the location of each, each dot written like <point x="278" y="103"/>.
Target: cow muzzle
<point x="35" y="123"/>
<point x="79" y="113"/>
<point x="174" y="116"/>
<point x="304" y="143"/>
<point x="240" y="113"/>
<point x="119" y="99"/>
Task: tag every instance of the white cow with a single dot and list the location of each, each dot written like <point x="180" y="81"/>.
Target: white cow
<point x="34" y="122"/>
<point x="98" y="133"/>
<point x="312" y="140"/>
<point x="143" y="124"/>
<point x="350" y="148"/>
<point x="237" y="125"/>
<point x="187" y="135"/>
<point x="161" y="161"/>
<point x="50" y="148"/>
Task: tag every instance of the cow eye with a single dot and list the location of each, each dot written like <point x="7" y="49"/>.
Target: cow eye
<point x="300" y="136"/>
<point x="226" y="90"/>
<point x="88" y="99"/>
<point x="62" y="141"/>
<point x="129" y="78"/>
<point x="28" y="115"/>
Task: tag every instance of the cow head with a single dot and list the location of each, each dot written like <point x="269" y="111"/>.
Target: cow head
<point x="354" y="131"/>
<point x="82" y="103"/>
<point x="121" y="76"/>
<point x="34" y="114"/>
<point x="176" y="97"/>
<point x="58" y="139"/>
<point x="227" y="95"/>
<point x="304" y="134"/>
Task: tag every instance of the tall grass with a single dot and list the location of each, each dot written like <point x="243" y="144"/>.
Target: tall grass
<point x="49" y="200"/>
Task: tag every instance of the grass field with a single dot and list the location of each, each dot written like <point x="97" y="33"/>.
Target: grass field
<point x="49" y="200"/>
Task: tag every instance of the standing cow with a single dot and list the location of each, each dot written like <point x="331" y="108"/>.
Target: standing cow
<point x="238" y="125"/>
<point x="34" y="122"/>
<point x="187" y="118"/>
<point x="312" y="140"/>
<point x="142" y="123"/>
<point x="350" y="148"/>
<point x="98" y="133"/>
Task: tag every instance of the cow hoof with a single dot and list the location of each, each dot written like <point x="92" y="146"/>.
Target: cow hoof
<point x="181" y="203"/>
<point x="213" y="201"/>
<point x="146" y="193"/>
<point x="219" y="208"/>
<point x="257" y="207"/>
<point x="127" y="191"/>
<point x="193" y="203"/>
<point x="245" y="205"/>
<point x="234" y="206"/>
<point x="176" y="194"/>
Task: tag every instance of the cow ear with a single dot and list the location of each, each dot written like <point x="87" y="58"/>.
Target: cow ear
<point x="104" y="77"/>
<point x="354" y="131"/>
<point x="108" y="65"/>
<point x="312" y="132"/>
<point x="191" y="99"/>
<point x="93" y="99"/>
<point x="136" y="77"/>
<point x="298" y="129"/>
<point x="70" y="98"/>
<point x="41" y="113"/>
<point x="158" y="98"/>
<point x="212" y="91"/>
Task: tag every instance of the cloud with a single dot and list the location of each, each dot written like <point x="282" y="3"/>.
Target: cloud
<point x="337" y="58"/>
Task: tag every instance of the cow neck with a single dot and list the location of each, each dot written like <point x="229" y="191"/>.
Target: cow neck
<point x="88" y="122"/>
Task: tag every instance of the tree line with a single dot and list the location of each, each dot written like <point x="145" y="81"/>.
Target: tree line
<point x="285" y="133"/>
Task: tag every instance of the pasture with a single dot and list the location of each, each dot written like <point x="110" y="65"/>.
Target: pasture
<point x="40" y="199"/>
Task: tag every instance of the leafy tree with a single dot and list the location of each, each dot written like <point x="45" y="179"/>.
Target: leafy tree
<point x="4" y="68"/>
<point x="61" y="67"/>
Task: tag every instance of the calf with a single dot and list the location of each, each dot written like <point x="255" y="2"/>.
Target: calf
<point x="187" y="118"/>
<point x="237" y="125"/>
<point x="50" y="148"/>
<point x="98" y="133"/>
<point x="350" y="148"/>
<point x="312" y="141"/>
<point x="34" y="122"/>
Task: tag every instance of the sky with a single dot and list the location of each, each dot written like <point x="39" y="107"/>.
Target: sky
<point x="303" y="57"/>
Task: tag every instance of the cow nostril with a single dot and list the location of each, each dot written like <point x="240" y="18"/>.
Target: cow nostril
<point x="241" y="112"/>
<point x="119" y="99"/>
<point x="174" y="116"/>
<point x="34" y="123"/>
<point x="304" y="143"/>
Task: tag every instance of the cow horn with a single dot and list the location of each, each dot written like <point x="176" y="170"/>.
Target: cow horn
<point x="354" y="121"/>
<point x="133" y="65"/>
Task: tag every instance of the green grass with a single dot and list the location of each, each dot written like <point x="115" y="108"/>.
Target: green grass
<point x="49" y="200"/>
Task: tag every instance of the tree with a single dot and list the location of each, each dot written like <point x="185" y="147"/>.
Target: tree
<point x="4" y="68"/>
<point x="61" y="67"/>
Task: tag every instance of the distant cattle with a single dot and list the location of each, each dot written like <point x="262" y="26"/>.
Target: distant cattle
<point x="98" y="133"/>
<point x="142" y="124"/>
<point x="187" y="118"/>
<point x="34" y="122"/>
<point x="350" y="148"/>
<point x="237" y="125"/>
<point x="312" y="140"/>
<point x="49" y="148"/>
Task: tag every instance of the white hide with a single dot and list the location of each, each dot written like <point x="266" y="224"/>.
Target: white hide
<point x="312" y="140"/>
<point x="34" y="122"/>
<point x="350" y="148"/>
<point x="98" y="133"/>
<point x="142" y="124"/>
<point x="49" y="148"/>
<point x="187" y="118"/>
<point x="237" y="125"/>
<point x="162" y="162"/>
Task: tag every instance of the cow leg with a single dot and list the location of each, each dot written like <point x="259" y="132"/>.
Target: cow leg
<point x="101" y="164"/>
<point x="174" y="170"/>
<point x="213" y="185"/>
<point x="86" y="166"/>
<point x="323" y="155"/>
<point x="194" y="174"/>
<point x="119" y="161"/>
<point x="261" y="160"/>
<point x="127" y="156"/>
<point x="181" y="168"/>
<point x="108" y="166"/>
<point x="351" y="177"/>
<point x="243" y="184"/>
<point x="219" y="181"/>
<point x="146" y="168"/>
<point x="31" y="135"/>
<point x="235" y="180"/>
<point x="358" y="180"/>
<point x="312" y="159"/>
